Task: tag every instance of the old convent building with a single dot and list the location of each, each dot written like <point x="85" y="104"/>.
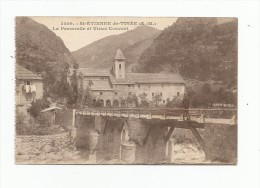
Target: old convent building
<point x="111" y="86"/>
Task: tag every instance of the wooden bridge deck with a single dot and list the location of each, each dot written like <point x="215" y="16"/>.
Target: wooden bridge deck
<point x="172" y="118"/>
<point x="218" y="116"/>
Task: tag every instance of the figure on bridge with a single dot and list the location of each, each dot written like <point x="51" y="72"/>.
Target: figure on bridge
<point x="186" y="106"/>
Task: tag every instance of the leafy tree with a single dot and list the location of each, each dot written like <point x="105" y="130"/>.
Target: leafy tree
<point x="37" y="107"/>
<point x="144" y="102"/>
<point x="73" y="94"/>
<point x="156" y="99"/>
<point x="176" y="102"/>
<point x="131" y="100"/>
<point x="122" y="102"/>
<point x="87" y="97"/>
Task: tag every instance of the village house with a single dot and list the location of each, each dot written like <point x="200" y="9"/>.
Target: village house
<point x="110" y="86"/>
<point x="29" y="87"/>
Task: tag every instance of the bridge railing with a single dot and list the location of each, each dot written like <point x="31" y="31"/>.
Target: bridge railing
<point x="166" y="112"/>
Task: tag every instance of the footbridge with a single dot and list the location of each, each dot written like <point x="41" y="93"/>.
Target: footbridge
<point x="128" y="132"/>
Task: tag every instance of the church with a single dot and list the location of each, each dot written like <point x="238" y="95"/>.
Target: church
<point x="112" y="86"/>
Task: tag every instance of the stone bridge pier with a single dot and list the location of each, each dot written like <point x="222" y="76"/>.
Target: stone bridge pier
<point x="123" y="140"/>
<point x="136" y="140"/>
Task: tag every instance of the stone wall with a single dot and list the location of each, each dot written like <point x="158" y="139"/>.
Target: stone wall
<point x="34" y="144"/>
<point x="221" y="142"/>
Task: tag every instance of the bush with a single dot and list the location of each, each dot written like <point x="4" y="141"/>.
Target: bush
<point x="176" y="102"/>
<point x="42" y="125"/>
<point x="45" y="119"/>
<point x="20" y="123"/>
<point x="29" y="126"/>
<point x="144" y="101"/>
<point x="37" y="107"/>
<point x="144" y="104"/>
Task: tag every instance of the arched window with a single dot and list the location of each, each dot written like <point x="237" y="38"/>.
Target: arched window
<point x="119" y="66"/>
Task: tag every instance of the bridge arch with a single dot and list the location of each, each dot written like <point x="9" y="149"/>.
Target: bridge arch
<point x="115" y="103"/>
<point x="108" y="103"/>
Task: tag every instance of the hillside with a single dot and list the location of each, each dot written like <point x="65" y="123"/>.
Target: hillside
<point x="100" y="54"/>
<point x="39" y="49"/>
<point x="197" y="48"/>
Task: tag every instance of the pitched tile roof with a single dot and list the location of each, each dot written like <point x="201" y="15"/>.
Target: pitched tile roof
<point x="132" y="78"/>
<point x="101" y="85"/>
<point x="94" y="72"/>
<point x="24" y="74"/>
<point x="157" y="78"/>
<point x="128" y="79"/>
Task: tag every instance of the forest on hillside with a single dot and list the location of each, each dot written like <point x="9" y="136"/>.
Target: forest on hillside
<point x="197" y="48"/>
<point x="40" y="50"/>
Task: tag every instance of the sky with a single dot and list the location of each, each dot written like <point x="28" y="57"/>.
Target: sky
<point x="76" y="39"/>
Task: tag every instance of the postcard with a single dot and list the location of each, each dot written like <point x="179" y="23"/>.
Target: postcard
<point x="126" y="90"/>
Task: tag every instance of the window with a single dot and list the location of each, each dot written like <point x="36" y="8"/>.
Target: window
<point x="178" y="93"/>
<point x="163" y="101"/>
<point x="101" y="93"/>
<point x="28" y="83"/>
<point x="119" y="66"/>
<point x="152" y="94"/>
<point x="139" y="86"/>
<point x="115" y="93"/>
<point x="161" y="94"/>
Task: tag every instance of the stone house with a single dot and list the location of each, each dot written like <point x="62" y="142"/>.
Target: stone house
<point x="29" y="87"/>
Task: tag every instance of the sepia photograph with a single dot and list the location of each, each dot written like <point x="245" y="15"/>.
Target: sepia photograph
<point x="126" y="90"/>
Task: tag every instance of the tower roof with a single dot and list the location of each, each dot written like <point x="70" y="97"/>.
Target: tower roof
<point x="119" y="55"/>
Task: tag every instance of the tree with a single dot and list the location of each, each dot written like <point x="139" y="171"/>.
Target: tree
<point x="157" y="98"/>
<point x="73" y="97"/>
<point x="144" y="102"/>
<point x="87" y="97"/>
<point x="37" y="107"/>
<point x="122" y="102"/>
<point x="176" y="102"/>
<point x="132" y="100"/>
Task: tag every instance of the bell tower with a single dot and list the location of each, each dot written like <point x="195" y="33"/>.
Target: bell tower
<point x="119" y="65"/>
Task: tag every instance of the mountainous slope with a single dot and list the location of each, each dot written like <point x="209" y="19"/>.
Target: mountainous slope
<point x="100" y="54"/>
<point x="36" y="41"/>
<point x="197" y="48"/>
<point x="39" y="49"/>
